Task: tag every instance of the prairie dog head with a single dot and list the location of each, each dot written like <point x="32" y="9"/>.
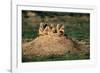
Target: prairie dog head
<point x="42" y="28"/>
<point x="58" y="27"/>
<point x="62" y="29"/>
<point x="46" y="29"/>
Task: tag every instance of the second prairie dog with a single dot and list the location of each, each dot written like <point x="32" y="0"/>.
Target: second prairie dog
<point x="53" y="28"/>
<point x="60" y="29"/>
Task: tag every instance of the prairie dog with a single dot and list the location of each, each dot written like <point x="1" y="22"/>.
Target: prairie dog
<point x="61" y="30"/>
<point x="49" y="29"/>
<point x="54" y="30"/>
<point x="58" y="27"/>
<point x="45" y="31"/>
<point x="41" y="28"/>
<point x="51" y="25"/>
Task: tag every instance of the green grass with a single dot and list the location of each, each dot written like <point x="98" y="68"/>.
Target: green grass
<point x="57" y="57"/>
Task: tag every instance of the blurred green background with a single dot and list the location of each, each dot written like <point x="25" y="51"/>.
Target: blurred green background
<point x="77" y="25"/>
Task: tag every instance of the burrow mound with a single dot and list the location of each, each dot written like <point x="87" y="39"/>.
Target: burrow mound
<point x="50" y="45"/>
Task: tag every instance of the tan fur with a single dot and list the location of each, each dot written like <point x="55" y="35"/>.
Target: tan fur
<point x="62" y="29"/>
<point x="41" y="29"/>
<point x="45" y="31"/>
<point x="58" y="27"/>
<point x="51" y="29"/>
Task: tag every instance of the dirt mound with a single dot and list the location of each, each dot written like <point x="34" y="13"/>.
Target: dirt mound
<point x="49" y="45"/>
<point x="51" y="41"/>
